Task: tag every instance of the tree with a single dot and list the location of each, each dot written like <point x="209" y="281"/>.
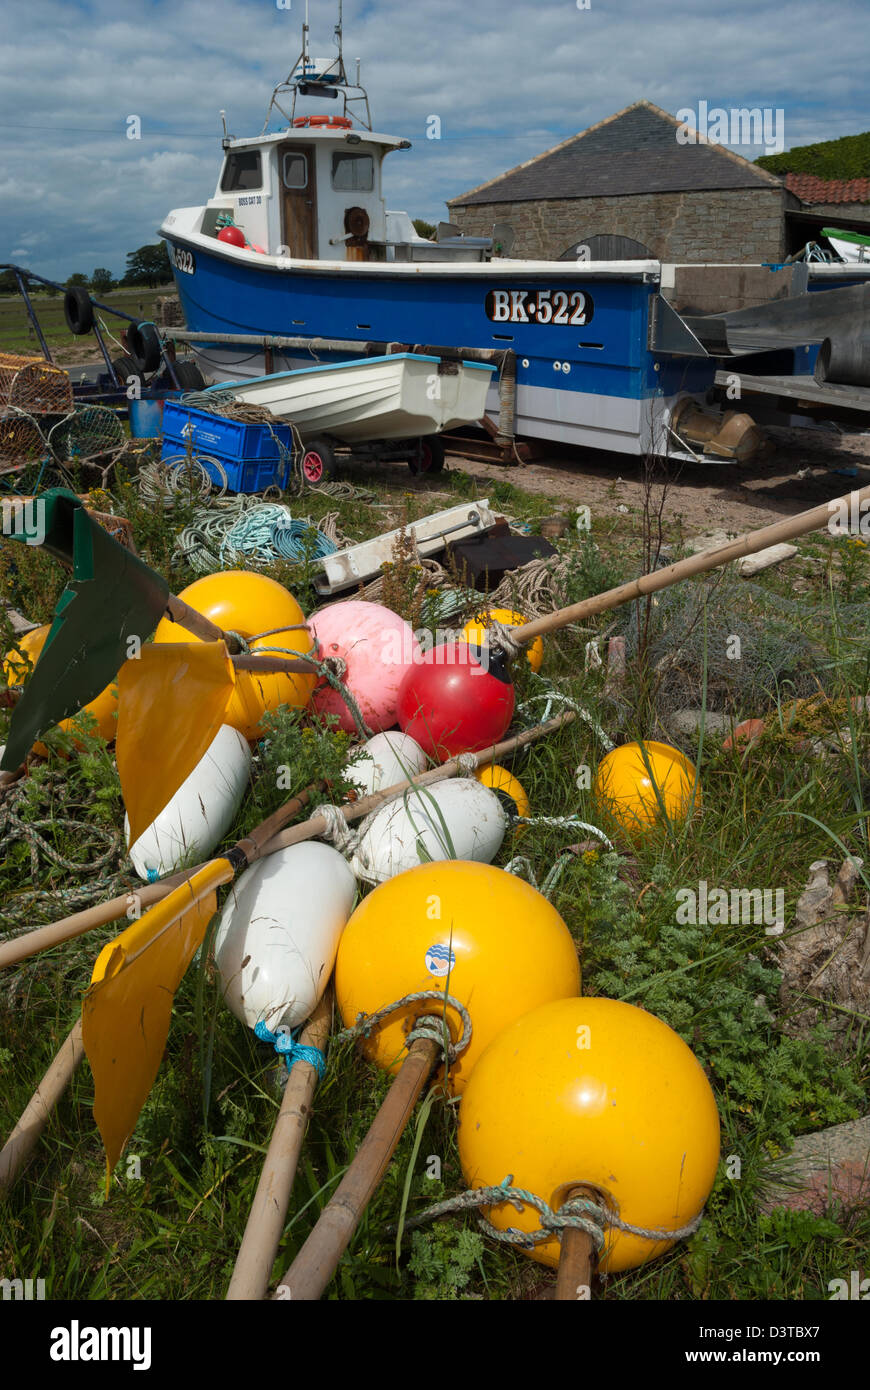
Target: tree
<point x="425" y="229"/>
<point x="77" y="279"/>
<point x="8" y="283"/>
<point x="102" y="280"/>
<point x="148" y="266"/>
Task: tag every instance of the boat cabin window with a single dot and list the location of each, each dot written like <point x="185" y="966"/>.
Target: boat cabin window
<point x="353" y="172"/>
<point x="295" y="170"/>
<point x="242" y="171"/>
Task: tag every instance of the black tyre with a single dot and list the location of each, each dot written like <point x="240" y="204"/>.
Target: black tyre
<point x="125" y="367"/>
<point x="143" y="340"/>
<point x="78" y="311"/>
<point x="317" y="463"/>
<point x="432" y="453"/>
<point x="190" y="378"/>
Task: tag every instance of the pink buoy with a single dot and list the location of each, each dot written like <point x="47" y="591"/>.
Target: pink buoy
<point x="376" y="648"/>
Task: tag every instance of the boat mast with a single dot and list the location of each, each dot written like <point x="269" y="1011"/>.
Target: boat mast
<point x="306" y="79"/>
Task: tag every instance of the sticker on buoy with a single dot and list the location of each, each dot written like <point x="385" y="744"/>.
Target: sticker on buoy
<point x="439" y="960"/>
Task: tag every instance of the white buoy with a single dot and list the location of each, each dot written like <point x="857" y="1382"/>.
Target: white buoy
<point x="385" y="760"/>
<point x="201" y="811"/>
<point x="279" y="931"/>
<point x="455" y="819"/>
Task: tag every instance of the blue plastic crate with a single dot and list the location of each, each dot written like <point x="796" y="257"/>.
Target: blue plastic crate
<point x="226" y="439"/>
<point x="242" y="475"/>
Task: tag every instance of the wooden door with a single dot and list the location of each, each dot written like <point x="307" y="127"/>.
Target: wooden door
<point x="299" y="200"/>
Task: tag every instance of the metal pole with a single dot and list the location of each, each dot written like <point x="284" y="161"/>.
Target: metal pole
<point x="31" y="312"/>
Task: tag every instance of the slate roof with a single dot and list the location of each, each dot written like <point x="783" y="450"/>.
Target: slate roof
<point x="635" y="151"/>
<point x="814" y="190"/>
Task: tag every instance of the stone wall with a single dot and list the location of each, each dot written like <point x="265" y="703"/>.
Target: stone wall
<point x="727" y="225"/>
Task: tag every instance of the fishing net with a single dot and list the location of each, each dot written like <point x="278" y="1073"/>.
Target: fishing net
<point x="21" y="437"/>
<point x="754" y="641"/>
<point x="92" y="434"/>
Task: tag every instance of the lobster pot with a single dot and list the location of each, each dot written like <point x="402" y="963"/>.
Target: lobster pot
<point x="33" y="385"/>
<point x="456" y="819"/>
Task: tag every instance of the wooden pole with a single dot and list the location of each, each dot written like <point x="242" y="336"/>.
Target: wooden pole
<point x="748" y="544"/>
<point x="318" y="1259"/>
<point x="262" y="1236"/>
<point x="21" y="1141"/>
<point x="576" y="1261"/>
<point x="258" y="846"/>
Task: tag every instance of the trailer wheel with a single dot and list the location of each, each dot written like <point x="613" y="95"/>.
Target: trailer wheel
<point x="190" y="378"/>
<point x="125" y="367"/>
<point x="143" y="340"/>
<point x="432" y="454"/>
<point x="78" y="311"/>
<point x="317" y="463"/>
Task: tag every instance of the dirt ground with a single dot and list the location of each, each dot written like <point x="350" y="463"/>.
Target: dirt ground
<point x="809" y="466"/>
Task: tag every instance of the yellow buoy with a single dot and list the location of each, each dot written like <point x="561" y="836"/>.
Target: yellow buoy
<point x="598" y="1093"/>
<point x="475" y="630"/>
<point x="249" y="603"/>
<point x="103" y="708"/>
<point x="506" y="786"/>
<point x="642" y="783"/>
<point x="485" y="936"/>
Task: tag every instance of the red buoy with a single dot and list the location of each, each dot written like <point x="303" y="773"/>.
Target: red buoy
<point x="450" y="703"/>
<point x="233" y="236"/>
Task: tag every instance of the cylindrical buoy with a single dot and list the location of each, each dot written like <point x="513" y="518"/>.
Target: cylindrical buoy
<point x="644" y="784"/>
<point x="248" y="603"/>
<point x="476" y="628"/>
<point x="384" y="761"/>
<point x="450" y="702"/>
<point x="16" y="668"/>
<point x="598" y="1094"/>
<point x="373" y="649"/>
<point x="456" y="819"/>
<point x="200" y="813"/>
<point x="489" y="938"/>
<point x="279" y="931"/>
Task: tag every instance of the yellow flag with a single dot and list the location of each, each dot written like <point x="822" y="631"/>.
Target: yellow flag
<point x="172" y="699"/>
<point x="126" y="1010"/>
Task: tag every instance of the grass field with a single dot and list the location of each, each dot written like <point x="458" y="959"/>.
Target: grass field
<point x="17" y="333"/>
<point x="180" y="1196"/>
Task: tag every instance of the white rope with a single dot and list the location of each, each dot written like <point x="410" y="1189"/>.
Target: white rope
<point x="555" y="697"/>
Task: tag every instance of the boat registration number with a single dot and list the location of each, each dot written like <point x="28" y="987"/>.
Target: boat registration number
<point x="568" y="307"/>
<point x="183" y="260"/>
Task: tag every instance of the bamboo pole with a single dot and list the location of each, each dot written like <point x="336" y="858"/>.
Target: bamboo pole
<point x="21" y="1141"/>
<point x="749" y="544"/>
<point x="11" y="952"/>
<point x="576" y="1259"/>
<point x="318" y="1259"/>
<point x="259" y="1245"/>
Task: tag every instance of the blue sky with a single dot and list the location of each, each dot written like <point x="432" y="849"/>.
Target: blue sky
<point x="508" y="78"/>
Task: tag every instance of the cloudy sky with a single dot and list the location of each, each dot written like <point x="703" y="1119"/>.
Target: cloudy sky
<point x="508" y="79"/>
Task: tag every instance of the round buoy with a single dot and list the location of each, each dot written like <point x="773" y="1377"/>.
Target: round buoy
<point x="384" y="761"/>
<point x="510" y="792"/>
<point x="278" y="933"/>
<point x="453" y="819"/>
<point x="598" y="1093"/>
<point x="484" y="936"/>
<point x="103" y="708"/>
<point x="248" y="603"/>
<point x="642" y="783"/>
<point x="475" y="631"/>
<point x="232" y="236"/>
<point x="200" y="813"/>
<point x="373" y="648"/>
<point x="452" y="703"/>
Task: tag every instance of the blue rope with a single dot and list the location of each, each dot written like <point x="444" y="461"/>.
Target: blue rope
<point x="292" y="1051"/>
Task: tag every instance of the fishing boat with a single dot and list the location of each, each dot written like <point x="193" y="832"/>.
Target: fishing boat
<point x="297" y="256"/>
<point x="394" y="397"/>
<point x="849" y="246"/>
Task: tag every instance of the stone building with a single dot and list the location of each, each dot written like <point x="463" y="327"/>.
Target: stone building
<point x="630" y="176"/>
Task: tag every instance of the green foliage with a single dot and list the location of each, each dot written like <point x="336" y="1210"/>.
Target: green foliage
<point x="846" y="158"/>
<point x="424" y="229"/>
<point x="148" y="266"/>
<point x="442" y="1260"/>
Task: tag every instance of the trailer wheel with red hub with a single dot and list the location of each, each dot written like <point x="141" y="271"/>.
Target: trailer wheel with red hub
<point x="430" y="458"/>
<point x="317" y="463"/>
